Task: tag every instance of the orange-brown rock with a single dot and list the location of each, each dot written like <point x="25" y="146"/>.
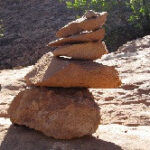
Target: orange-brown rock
<point x="87" y="51"/>
<point x="59" y="72"/>
<point x="60" y="113"/>
<point x="97" y="35"/>
<point x="82" y="24"/>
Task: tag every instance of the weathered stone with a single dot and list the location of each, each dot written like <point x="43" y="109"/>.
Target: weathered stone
<point x="91" y="36"/>
<point x="59" y="72"/>
<point x="82" y="24"/>
<point x="90" y="51"/>
<point x="57" y="112"/>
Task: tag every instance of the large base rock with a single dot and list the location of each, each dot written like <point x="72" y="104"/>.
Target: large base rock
<point x="59" y="72"/>
<point x="60" y="113"/>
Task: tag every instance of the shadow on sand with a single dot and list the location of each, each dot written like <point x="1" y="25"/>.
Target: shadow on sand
<point x="22" y="138"/>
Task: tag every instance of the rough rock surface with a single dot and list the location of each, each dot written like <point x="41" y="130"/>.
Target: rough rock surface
<point x="83" y="51"/>
<point x="59" y="72"/>
<point x="126" y="109"/>
<point x="97" y="35"/>
<point x="82" y="24"/>
<point x="60" y="113"/>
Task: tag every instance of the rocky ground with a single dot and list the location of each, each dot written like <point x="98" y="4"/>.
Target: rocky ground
<point x="125" y="111"/>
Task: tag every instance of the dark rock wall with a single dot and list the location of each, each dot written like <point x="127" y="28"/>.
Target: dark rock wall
<point x="28" y="27"/>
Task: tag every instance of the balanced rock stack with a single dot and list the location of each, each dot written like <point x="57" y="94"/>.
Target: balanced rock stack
<point x="82" y="39"/>
<point x="57" y="101"/>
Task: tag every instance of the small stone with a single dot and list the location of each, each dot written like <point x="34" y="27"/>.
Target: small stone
<point x="90" y="14"/>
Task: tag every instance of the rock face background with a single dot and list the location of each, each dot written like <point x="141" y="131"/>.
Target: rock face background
<point x="28" y="27"/>
<point x="125" y="112"/>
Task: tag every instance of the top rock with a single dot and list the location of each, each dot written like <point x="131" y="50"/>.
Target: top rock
<point x="90" y="14"/>
<point x="89" y="21"/>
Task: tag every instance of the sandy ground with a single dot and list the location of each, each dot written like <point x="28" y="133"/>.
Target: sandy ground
<point x="125" y="111"/>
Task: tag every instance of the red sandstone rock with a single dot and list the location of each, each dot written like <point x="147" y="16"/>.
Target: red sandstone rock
<point x="84" y="51"/>
<point x="82" y="24"/>
<point x="60" y="113"/>
<point x="59" y="72"/>
<point x="97" y="35"/>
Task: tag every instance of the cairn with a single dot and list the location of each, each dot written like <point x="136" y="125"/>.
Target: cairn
<point x="57" y="101"/>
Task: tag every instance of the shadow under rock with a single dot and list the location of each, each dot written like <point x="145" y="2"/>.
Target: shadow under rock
<point x="22" y="138"/>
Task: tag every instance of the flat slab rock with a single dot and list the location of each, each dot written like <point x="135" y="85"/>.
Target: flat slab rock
<point x="90" y="36"/>
<point x="82" y="24"/>
<point x="60" y="113"/>
<point x="59" y="72"/>
<point x="84" y="51"/>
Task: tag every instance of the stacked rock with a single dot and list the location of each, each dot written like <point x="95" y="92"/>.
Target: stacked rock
<point x="56" y="100"/>
<point x="82" y="39"/>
